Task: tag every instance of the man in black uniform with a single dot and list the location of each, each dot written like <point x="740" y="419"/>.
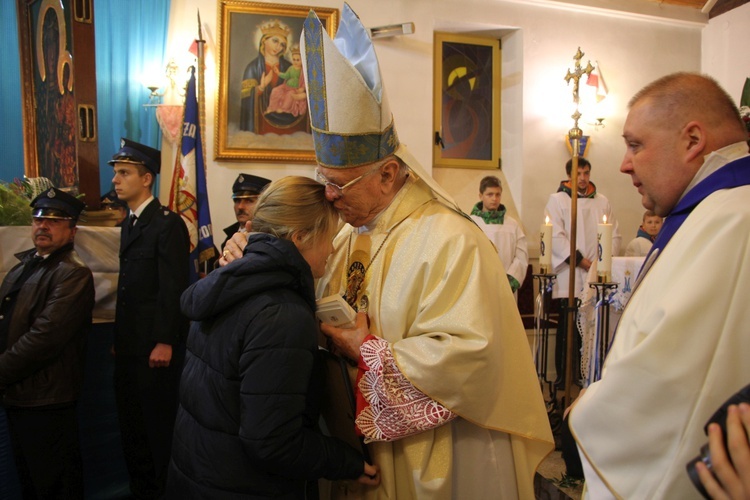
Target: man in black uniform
<point x="149" y="327"/>
<point x="45" y="316"/>
<point x="245" y="191"/>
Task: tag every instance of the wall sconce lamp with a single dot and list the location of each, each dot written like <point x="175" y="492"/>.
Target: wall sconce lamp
<point x="171" y="84"/>
<point x="392" y="30"/>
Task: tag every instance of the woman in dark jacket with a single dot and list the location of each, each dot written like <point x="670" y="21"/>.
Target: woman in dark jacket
<point x="249" y="393"/>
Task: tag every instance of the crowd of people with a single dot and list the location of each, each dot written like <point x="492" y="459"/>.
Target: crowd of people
<point x="220" y="385"/>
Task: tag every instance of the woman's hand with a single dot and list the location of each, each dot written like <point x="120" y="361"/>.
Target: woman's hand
<point x="371" y="476"/>
<point x="733" y="476"/>
<point x="235" y="246"/>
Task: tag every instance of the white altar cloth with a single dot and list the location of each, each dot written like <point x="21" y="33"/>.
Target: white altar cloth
<point x="99" y="248"/>
<point x="624" y="273"/>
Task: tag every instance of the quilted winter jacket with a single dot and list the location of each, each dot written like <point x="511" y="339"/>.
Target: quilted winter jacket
<point x="249" y="393"/>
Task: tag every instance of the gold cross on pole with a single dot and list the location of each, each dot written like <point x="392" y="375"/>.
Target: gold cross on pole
<point x="575" y="135"/>
<point x="577" y="73"/>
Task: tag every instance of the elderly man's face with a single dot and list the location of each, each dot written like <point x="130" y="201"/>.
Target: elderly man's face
<point x="360" y="202"/>
<point x="51" y="234"/>
<point x="652" y="159"/>
<point x="243" y="209"/>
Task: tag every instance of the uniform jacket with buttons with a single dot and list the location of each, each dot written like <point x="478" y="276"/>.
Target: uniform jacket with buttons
<point x="45" y="355"/>
<point x="153" y="275"/>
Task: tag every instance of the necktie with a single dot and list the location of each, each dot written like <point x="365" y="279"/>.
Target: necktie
<point x="33" y="262"/>
<point x="133" y="218"/>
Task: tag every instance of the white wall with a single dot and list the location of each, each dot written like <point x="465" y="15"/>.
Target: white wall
<point x="725" y="54"/>
<point x="540" y="39"/>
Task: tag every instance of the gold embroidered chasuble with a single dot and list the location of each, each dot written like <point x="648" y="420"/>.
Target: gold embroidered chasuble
<point x="430" y="287"/>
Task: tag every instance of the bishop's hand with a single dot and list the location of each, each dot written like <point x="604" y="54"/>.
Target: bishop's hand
<point x="346" y="341"/>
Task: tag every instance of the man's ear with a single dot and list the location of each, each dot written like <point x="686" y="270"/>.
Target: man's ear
<point x="389" y="174"/>
<point x="148" y="180"/>
<point x="693" y="140"/>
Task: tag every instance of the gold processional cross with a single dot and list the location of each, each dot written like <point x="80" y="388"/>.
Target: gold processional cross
<point x="576" y="75"/>
<point x="575" y="134"/>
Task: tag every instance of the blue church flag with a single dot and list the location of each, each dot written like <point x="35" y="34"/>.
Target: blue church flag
<point x="189" y="195"/>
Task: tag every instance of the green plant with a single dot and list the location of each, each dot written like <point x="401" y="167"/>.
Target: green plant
<point x="567" y="481"/>
<point x="14" y="206"/>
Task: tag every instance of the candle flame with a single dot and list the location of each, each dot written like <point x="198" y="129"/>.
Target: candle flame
<point x="604" y="219"/>
<point x="546" y="219"/>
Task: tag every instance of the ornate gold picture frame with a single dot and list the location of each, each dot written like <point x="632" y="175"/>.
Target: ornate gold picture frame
<point x="261" y="110"/>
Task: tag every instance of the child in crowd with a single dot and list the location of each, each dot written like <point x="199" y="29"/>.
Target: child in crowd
<point x="641" y="244"/>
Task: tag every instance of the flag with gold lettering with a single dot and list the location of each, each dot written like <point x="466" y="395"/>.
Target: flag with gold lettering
<point x="189" y="195"/>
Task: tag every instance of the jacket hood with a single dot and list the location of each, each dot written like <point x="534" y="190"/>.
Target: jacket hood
<point x="643" y="234"/>
<point x="565" y="188"/>
<point x="268" y="263"/>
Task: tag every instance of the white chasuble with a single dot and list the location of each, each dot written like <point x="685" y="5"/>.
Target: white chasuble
<point x="427" y="276"/>
<point x="680" y="350"/>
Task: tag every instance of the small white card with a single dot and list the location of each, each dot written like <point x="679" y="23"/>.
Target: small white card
<point x="334" y="310"/>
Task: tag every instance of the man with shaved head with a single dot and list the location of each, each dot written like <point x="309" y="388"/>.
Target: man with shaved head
<point x="680" y="349"/>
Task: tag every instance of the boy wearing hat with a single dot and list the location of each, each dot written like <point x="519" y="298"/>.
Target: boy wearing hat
<point x="45" y="316"/>
<point x="149" y="326"/>
<point x="245" y="192"/>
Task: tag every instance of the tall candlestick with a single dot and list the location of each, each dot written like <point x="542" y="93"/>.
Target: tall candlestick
<point x="545" y="247"/>
<point x="604" y="236"/>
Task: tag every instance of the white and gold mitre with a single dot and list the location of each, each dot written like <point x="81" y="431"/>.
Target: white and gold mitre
<point x="353" y="125"/>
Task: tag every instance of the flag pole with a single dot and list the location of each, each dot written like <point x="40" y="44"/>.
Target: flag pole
<point x="575" y="134"/>
<point x="202" y="86"/>
<point x="201" y="97"/>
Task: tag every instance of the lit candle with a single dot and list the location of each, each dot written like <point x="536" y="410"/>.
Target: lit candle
<point x="545" y="247"/>
<point x="604" y="236"/>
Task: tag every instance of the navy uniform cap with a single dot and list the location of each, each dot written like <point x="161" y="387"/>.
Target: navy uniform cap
<point x="248" y="185"/>
<point x="111" y="200"/>
<point x="133" y="152"/>
<point x="56" y="204"/>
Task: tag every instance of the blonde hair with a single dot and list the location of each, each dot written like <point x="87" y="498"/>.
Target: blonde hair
<point x="295" y="205"/>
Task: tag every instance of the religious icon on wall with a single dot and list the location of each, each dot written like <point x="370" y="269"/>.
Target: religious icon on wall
<point x="262" y="108"/>
<point x="467" y="101"/>
<point x="58" y="73"/>
<point x="55" y="104"/>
